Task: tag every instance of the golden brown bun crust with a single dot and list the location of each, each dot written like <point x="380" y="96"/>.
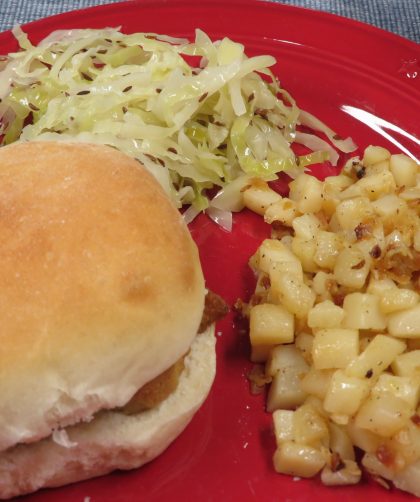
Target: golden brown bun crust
<point x="100" y="284"/>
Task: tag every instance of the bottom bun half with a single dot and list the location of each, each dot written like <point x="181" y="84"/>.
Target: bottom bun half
<point x="112" y="440"/>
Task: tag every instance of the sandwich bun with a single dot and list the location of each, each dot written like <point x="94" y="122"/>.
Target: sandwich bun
<point x="101" y="291"/>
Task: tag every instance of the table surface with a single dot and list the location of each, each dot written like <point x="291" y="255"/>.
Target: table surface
<point x="399" y="16"/>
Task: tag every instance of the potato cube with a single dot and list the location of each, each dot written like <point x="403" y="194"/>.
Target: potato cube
<point x="283" y="425"/>
<point x="361" y="311"/>
<point x="407" y="364"/>
<point x="379" y="286"/>
<point x="383" y="414"/>
<point x="351" y="212"/>
<point x="406" y="388"/>
<point x="306" y="226"/>
<point x="376" y="358"/>
<point x="389" y="206"/>
<point x="374" y="154"/>
<point x="376" y="185"/>
<point x="305" y="250"/>
<point x="259" y="196"/>
<point x="396" y="299"/>
<point x="405" y="323"/>
<point x="293" y="293"/>
<point x="274" y="254"/>
<point x="345" y="394"/>
<point x="328" y="245"/>
<point x="322" y="283"/>
<point x="404" y="170"/>
<point x="284" y="211"/>
<point x="285" y="391"/>
<point x="316" y="382"/>
<point x="325" y="315"/>
<point x="363" y="438"/>
<point x="308" y="426"/>
<point x="298" y="460"/>
<point x="352" y="268"/>
<point x="306" y="191"/>
<point x="284" y="356"/>
<point x="333" y="186"/>
<point x="334" y="348"/>
<point x="270" y="325"/>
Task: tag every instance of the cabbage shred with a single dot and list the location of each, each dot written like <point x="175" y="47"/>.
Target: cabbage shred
<point x="198" y="115"/>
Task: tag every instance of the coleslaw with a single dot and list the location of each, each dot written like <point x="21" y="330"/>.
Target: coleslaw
<point x="201" y="116"/>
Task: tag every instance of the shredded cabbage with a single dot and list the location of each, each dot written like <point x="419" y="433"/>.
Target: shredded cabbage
<point x="201" y="116"/>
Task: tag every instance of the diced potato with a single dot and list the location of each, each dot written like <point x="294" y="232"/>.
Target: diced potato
<point x="376" y="185"/>
<point x="316" y="382"/>
<point x="322" y="283"/>
<point x="389" y="206"/>
<point x="345" y="394"/>
<point x="305" y="250"/>
<point x="284" y="356"/>
<point x="328" y="245"/>
<point x="285" y="391"/>
<point x="361" y="311"/>
<point x="317" y="404"/>
<point x="379" y="286"/>
<point x="325" y="315"/>
<point x="351" y="212"/>
<point x="376" y="358"/>
<point x="298" y="460"/>
<point x="352" y="268"/>
<point x="336" y="184"/>
<point x="377" y="168"/>
<point x="334" y="348"/>
<point x="333" y="186"/>
<point x="270" y="325"/>
<point x="396" y="299"/>
<point x="284" y="211"/>
<point x="406" y="388"/>
<point x="259" y="196"/>
<point x="306" y="226"/>
<point x="340" y="442"/>
<point x="383" y="414"/>
<point x="407" y="364"/>
<point x="404" y="170"/>
<point x="405" y="323"/>
<point x="363" y="438"/>
<point x="306" y="191"/>
<point x="309" y="427"/>
<point x="283" y="425"/>
<point x="304" y="342"/>
<point x="280" y="268"/>
<point x="274" y="254"/>
<point x="294" y="294"/>
<point x="374" y="154"/>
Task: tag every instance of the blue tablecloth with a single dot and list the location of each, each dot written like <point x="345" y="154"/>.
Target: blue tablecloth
<point x="399" y="16"/>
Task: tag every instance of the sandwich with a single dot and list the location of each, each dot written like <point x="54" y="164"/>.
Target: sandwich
<point x="107" y="344"/>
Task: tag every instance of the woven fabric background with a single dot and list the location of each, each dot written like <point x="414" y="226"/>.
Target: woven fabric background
<point x="399" y="16"/>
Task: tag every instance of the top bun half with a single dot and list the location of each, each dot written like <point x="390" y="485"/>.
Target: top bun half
<point x="101" y="287"/>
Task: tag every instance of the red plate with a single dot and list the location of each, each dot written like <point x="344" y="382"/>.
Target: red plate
<point x="338" y="69"/>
